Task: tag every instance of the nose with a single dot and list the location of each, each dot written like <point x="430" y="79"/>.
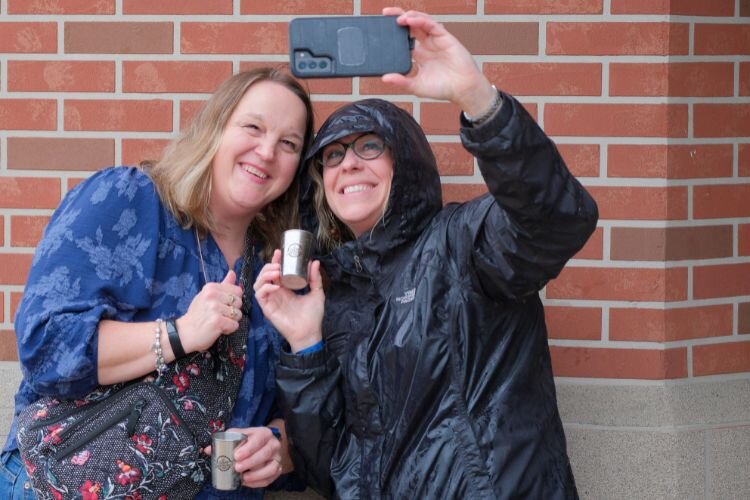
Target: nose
<point x="350" y="161"/>
<point x="265" y="148"/>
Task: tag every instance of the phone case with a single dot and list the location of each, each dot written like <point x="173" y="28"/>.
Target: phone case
<point x="321" y="47"/>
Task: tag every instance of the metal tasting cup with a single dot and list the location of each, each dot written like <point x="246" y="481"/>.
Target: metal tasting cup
<point x="296" y="247"/>
<point x="223" y="475"/>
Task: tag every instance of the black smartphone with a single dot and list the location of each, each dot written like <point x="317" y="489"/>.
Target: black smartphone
<point x="344" y="46"/>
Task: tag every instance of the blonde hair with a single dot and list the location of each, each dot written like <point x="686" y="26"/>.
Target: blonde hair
<point x="183" y="175"/>
<point x="332" y="233"/>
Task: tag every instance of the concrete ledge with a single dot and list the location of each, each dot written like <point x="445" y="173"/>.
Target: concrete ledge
<point x="672" y="440"/>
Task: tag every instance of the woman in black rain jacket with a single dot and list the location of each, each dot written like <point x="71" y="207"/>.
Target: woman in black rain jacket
<point x="427" y="372"/>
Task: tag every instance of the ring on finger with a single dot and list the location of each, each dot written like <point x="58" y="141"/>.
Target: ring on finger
<point x="232" y="312"/>
<point x="232" y="298"/>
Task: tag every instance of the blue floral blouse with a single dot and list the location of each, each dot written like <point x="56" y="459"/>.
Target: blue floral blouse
<point x="113" y="251"/>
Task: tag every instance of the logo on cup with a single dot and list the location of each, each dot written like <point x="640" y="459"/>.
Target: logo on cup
<point x="294" y="250"/>
<point x="223" y="463"/>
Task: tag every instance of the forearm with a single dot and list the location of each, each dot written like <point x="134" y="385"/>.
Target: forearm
<point x="126" y="350"/>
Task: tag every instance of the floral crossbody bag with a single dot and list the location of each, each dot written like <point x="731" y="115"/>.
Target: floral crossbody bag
<point x="141" y="439"/>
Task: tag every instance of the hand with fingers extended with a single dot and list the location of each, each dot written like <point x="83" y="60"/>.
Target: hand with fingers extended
<point x="443" y="68"/>
<point x="216" y="310"/>
<point x="297" y="317"/>
<point x="259" y="459"/>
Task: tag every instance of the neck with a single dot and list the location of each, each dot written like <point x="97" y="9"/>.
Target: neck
<point x="231" y="241"/>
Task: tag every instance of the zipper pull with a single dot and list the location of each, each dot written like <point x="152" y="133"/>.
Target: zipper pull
<point x="135" y="414"/>
<point x="357" y="263"/>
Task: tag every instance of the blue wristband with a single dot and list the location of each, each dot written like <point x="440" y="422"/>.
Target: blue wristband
<point x="313" y="348"/>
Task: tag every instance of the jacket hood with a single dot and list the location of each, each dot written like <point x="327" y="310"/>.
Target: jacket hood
<point x="415" y="195"/>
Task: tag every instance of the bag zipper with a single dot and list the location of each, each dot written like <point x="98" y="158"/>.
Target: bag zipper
<point x="133" y="413"/>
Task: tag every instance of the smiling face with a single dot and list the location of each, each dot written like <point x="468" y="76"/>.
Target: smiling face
<point x="258" y="153"/>
<point x="357" y="189"/>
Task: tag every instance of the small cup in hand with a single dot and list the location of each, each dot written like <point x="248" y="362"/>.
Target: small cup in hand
<point x="223" y="475"/>
<point x="296" y="247"/>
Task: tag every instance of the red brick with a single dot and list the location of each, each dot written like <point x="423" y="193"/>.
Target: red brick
<point x="674" y="7"/>
<point x="373" y="85"/>
<point x="119" y="115"/>
<point x="744" y="160"/>
<point x="73" y="182"/>
<point x="671" y="243"/>
<point x="714" y="359"/>
<point x="8" y="346"/>
<point x="744" y="79"/>
<point x="649" y="364"/>
<point x="581" y="79"/>
<point x="313" y="85"/>
<point x="725" y="280"/>
<point x="177" y="7"/>
<point x="582" y="159"/>
<point x="443" y="118"/>
<point x="118" y="38"/>
<point x="669" y="325"/>
<point x="61" y="7"/>
<point x="431" y="6"/>
<point x="50" y="153"/>
<point x="745" y="8"/>
<point x="61" y="76"/>
<point x="28" y="114"/>
<point x="743" y="319"/>
<point x="617" y="39"/>
<point x="2" y="232"/>
<point x="440" y="118"/>
<point x="673" y="161"/>
<point x="744" y="239"/>
<point x="28" y="38"/>
<point x="452" y="158"/>
<point x="135" y="151"/>
<point x="26" y="230"/>
<point x="170" y="76"/>
<point x="593" y="249"/>
<point x="597" y="283"/>
<point x="298" y="7"/>
<point x="2" y="297"/>
<point x="616" y="120"/>
<point x="462" y="192"/>
<point x="646" y="203"/>
<point x="721" y="120"/>
<point x="672" y="79"/>
<point x="577" y="323"/>
<point x="233" y="38"/>
<point x="14" y="267"/>
<point x="722" y="39"/>
<point x="29" y="192"/>
<point x="721" y="201"/>
<point x="188" y="109"/>
<point x="542" y="7"/>
<point x="488" y="38"/>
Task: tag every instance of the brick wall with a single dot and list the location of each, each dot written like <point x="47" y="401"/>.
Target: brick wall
<point x="649" y="102"/>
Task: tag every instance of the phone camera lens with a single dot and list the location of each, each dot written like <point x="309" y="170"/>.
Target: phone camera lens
<point x="302" y="65"/>
<point x="323" y="65"/>
<point x="313" y="65"/>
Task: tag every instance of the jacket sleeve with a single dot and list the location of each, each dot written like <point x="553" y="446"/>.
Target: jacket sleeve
<point x="94" y="261"/>
<point x="311" y="400"/>
<point x="536" y="215"/>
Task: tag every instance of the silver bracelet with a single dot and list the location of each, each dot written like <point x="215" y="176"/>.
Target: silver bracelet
<point x="161" y="366"/>
<point x="489" y="113"/>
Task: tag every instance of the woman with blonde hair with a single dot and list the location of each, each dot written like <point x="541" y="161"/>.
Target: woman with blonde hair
<point x="139" y="267"/>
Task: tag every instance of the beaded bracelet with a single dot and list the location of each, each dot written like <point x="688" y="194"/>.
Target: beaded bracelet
<point x="161" y="366"/>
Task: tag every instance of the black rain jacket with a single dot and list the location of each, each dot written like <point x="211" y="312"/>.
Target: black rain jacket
<point x="435" y="381"/>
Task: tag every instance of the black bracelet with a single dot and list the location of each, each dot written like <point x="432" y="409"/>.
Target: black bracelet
<point x="174" y="339"/>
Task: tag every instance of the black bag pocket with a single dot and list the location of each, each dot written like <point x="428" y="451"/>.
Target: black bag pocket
<point x="128" y="442"/>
